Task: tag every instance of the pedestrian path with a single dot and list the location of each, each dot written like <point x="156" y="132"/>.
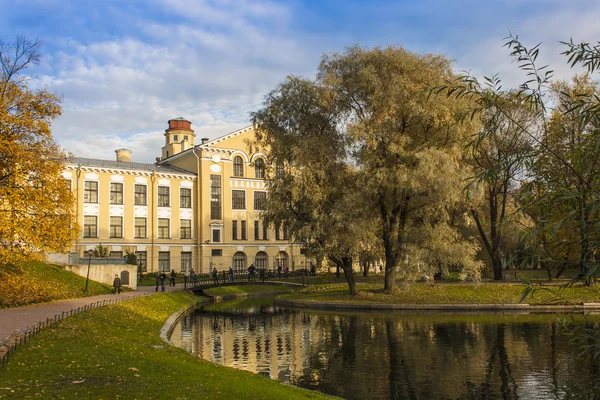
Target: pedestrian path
<point x="16" y="321"/>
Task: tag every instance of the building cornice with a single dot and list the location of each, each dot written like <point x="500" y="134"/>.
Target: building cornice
<point x="75" y="167"/>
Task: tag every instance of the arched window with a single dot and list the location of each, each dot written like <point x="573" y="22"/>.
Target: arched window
<point x="238" y="166"/>
<point x="260" y="260"/>
<point x="239" y="261"/>
<point x="282" y="259"/>
<point x="259" y="168"/>
<point x="279" y="169"/>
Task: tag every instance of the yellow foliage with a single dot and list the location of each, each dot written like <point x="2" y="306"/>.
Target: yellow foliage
<point x="36" y="213"/>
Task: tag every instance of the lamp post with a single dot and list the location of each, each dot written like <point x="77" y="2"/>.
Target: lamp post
<point x="139" y="270"/>
<point x="87" y="278"/>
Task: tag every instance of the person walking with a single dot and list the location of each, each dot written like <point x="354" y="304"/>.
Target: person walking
<point x="157" y="279"/>
<point x="117" y="285"/>
<point x="193" y="277"/>
<point x="230" y="274"/>
<point x="251" y="272"/>
<point x="215" y="276"/>
<point x="163" y="278"/>
<point x="172" y="278"/>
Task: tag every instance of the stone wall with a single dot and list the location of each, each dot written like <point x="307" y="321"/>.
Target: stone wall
<point x="106" y="273"/>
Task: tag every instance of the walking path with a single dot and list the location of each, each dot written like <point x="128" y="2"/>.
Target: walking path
<point x="16" y="321"/>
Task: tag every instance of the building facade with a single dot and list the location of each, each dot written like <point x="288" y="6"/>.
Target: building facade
<point x="198" y="207"/>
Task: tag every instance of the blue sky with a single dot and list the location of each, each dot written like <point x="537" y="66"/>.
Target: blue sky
<point x="124" y="68"/>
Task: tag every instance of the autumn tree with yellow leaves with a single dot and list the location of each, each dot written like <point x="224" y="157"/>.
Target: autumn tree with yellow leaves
<point x="36" y="213"/>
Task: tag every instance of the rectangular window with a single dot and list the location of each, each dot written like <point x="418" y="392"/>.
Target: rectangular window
<point x="216" y="252"/>
<point x="238" y="199"/>
<point x="186" y="261"/>
<point x="164" y="261"/>
<point x="185" y="198"/>
<point x="116" y="227"/>
<point x="115" y="254"/>
<point x="142" y="260"/>
<point x="277" y="226"/>
<point x="163" y="228"/>
<point x="140" y="195"/>
<point x="216" y="236"/>
<point x="90" y="226"/>
<point x="215" y="197"/>
<point x="286" y="232"/>
<point x="90" y="192"/>
<point x="244" y="230"/>
<point x="116" y="193"/>
<point x="140" y="228"/>
<point x="260" y="199"/>
<point x="234" y="232"/>
<point x="185" y="228"/>
<point x="265" y="231"/>
<point x="256" y="230"/>
<point x="163" y="196"/>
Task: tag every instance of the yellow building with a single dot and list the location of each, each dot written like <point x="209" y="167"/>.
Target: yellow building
<point x="198" y="207"/>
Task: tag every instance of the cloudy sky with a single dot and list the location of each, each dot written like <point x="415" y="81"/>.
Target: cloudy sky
<point x="123" y="68"/>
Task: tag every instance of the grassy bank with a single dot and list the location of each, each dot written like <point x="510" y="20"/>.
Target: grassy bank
<point x="115" y="352"/>
<point x="38" y="282"/>
<point x="446" y="293"/>
<point x="226" y="290"/>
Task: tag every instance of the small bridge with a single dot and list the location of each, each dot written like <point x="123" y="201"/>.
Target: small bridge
<point x="224" y="278"/>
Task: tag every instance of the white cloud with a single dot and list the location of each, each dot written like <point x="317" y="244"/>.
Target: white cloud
<point x="212" y="61"/>
<point x="120" y="93"/>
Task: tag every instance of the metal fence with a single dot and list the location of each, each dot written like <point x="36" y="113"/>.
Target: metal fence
<point x="258" y="276"/>
<point x="31" y="332"/>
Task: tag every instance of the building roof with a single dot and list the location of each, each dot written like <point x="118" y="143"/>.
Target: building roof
<point x="95" y="163"/>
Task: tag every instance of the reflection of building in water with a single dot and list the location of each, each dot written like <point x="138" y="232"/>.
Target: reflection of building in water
<point x="274" y="347"/>
<point x="401" y="356"/>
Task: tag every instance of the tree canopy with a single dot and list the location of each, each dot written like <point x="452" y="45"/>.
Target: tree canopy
<point x="36" y="204"/>
<point x="367" y="118"/>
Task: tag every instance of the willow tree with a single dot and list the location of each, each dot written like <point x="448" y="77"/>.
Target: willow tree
<point x="496" y="156"/>
<point x="313" y="189"/>
<point x="36" y="213"/>
<point x="367" y="109"/>
<point x="409" y="151"/>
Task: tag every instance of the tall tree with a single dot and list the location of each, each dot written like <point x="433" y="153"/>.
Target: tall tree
<point x="36" y="204"/>
<point x="312" y="188"/>
<point x="366" y="118"/>
<point x="497" y="156"/>
<point x="561" y="185"/>
<point x="409" y="151"/>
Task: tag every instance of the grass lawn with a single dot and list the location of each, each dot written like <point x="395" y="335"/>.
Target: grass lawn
<point x="225" y="290"/>
<point x="446" y="293"/>
<point x="39" y="282"/>
<point x="115" y="352"/>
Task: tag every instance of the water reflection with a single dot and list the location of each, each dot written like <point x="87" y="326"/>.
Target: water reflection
<point x="394" y="356"/>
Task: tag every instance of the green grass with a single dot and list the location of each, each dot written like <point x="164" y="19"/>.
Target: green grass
<point x="446" y="293"/>
<point x="39" y="282"/>
<point x="226" y="290"/>
<point x="115" y="352"/>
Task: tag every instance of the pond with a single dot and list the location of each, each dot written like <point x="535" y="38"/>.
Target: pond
<point x="394" y="355"/>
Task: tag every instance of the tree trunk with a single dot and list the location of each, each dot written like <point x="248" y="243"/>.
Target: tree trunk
<point x="546" y="266"/>
<point x="366" y="269"/>
<point x="345" y="263"/>
<point x="348" y="273"/>
<point x="390" y="274"/>
<point x="497" y="265"/>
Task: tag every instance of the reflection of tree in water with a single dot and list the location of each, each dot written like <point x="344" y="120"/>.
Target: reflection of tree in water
<point x="398" y="356"/>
